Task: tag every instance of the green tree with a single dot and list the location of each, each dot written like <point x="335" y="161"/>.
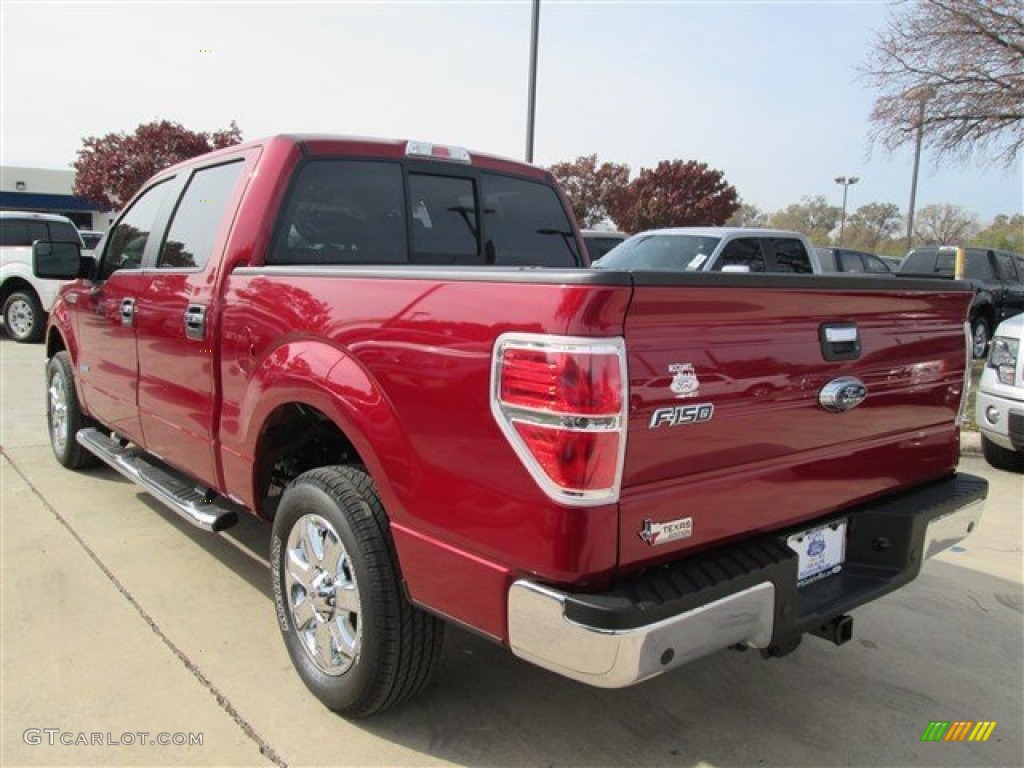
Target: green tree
<point x="944" y="224"/>
<point x="872" y="227"/>
<point x="812" y="215"/>
<point x="1005" y="232"/>
<point x="591" y="186"/>
<point x="748" y="215"/>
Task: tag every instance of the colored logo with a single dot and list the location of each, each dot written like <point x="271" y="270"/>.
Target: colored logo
<point x="816" y="547"/>
<point x="958" y="730"/>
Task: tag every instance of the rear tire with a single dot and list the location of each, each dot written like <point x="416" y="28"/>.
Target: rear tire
<point x="24" y="318"/>
<point x="354" y="639"/>
<point x="64" y="415"/>
<point x="1001" y="458"/>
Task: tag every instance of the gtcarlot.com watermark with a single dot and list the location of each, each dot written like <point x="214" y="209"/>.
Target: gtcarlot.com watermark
<point x="56" y="737"/>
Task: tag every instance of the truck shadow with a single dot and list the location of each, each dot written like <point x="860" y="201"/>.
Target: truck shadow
<point x="949" y="647"/>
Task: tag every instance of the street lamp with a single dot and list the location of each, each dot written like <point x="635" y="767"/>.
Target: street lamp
<point x="532" y="96"/>
<point x="921" y="95"/>
<point x="847" y="182"/>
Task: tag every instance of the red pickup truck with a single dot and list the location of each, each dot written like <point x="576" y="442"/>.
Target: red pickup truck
<point x="395" y="352"/>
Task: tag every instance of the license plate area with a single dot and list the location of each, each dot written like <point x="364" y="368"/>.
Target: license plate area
<point x="821" y="551"/>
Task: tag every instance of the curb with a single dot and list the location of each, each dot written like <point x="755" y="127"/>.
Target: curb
<point x="970" y="443"/>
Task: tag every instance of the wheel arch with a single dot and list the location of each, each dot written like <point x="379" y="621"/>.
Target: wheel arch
<point x="322" y="389"/>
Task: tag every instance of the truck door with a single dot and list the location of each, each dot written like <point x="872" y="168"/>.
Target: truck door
<point x="106" y="308"/>
<point x="177" y="321"/>
<point x="1013" y="286"/>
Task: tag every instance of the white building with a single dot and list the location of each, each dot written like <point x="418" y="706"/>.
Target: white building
<point x="49" y="191"/>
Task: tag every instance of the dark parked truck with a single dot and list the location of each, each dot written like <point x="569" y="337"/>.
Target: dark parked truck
<point x="394" y="353"/>
<point x="997" y="278"/>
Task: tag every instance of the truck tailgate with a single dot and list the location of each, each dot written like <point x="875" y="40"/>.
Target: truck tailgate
<point x="727" y="432"/>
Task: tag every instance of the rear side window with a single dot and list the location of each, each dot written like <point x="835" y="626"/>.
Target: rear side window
<point x="343" y="212"/>
<point x="1007" y="270"/>
<point x="23" y="232"/>
<point x="978" y="266"/>
<point x="790" y="255"/>
<point x="198" y="217"/>
<point x="743" y="252"/>
<point x="525" y="223"/>
<point x="851" y="261"/>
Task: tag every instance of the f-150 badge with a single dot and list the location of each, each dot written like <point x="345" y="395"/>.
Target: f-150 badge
<point x="684" y="380"/>
<point x="662" y="533"/>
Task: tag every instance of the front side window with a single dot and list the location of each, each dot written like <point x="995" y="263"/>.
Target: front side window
<point x="63" y="232"/>
<point x="525" y="223"/>
<point x="343" y="212"/>
<point x="742" y="252"/>
<point x="198" y="217"/>
<point x="127" y="241"/>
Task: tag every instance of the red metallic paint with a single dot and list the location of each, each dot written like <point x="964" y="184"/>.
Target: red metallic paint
<point x="402" y="366"/>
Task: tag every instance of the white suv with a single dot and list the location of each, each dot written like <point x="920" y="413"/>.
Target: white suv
<point x="25" y="298"/>
<point x="999" y="412"/>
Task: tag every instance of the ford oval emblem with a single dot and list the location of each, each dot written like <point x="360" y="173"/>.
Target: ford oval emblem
<point x="842" y="394"/>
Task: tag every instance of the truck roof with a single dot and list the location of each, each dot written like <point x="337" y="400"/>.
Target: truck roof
<point x="722" y="232"/>
<point x="328" y="144"/>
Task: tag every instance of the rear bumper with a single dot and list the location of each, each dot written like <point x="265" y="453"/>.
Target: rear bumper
<point x="740" y="594"/>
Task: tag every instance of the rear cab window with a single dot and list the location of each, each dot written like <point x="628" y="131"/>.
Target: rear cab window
<point x="741" y="252"/>
<point x="384" y="212"/>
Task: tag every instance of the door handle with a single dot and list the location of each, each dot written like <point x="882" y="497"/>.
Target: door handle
<point x="195" y="322"/>
<point x="127" y="311"/>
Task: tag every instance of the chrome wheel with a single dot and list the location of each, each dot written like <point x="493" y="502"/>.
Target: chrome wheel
<point x="20" y="318"/>
<point x="322" y="595"/>
<point x="58" y="412"/>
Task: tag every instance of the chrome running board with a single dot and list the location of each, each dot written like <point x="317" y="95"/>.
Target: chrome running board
<point x="197" y="505"/>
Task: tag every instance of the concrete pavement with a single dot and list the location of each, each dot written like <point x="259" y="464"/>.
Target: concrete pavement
<point x="117" y="618"/>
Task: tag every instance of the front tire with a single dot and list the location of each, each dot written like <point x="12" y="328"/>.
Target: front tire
<point x="24" y="318"/>
<point x="1001" y="458"/>
<point x="64" y="415"/>
<point x="354" y="639"/>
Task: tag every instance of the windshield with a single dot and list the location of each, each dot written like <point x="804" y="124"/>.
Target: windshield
<point x="673" y="253"/>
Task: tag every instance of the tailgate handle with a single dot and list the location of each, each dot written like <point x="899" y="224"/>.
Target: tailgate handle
<point x="839" y="341"/>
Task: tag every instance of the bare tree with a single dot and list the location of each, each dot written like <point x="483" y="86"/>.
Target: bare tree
<point x="954" y="69"/>
<point x="944" y="225"/>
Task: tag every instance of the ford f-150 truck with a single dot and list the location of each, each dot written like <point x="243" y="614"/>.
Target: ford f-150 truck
<point x="395" y="353"/>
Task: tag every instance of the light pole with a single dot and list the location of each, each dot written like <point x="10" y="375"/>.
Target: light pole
<point x="922" y="95"/>
<point x="847" y="182"/>
<point x="532" y="97"/>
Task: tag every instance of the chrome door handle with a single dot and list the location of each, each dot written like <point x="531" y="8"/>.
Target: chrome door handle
<point x="127" y="311"/>
<point x="195" y="322"/>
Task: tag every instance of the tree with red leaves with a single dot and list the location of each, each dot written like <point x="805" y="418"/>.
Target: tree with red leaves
<point x="676" y="193"/>
<point x="111" y="169"/>
<point x="591" y="187"/>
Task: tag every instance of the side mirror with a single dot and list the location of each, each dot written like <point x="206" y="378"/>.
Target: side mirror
<point x="58" y="261"/>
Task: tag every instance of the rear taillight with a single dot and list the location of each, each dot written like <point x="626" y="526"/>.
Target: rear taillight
<point x="965" y="388"/>
<point x="561" y="402"/>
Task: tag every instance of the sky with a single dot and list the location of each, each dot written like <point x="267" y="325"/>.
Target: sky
<point x="767" y="92"/>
